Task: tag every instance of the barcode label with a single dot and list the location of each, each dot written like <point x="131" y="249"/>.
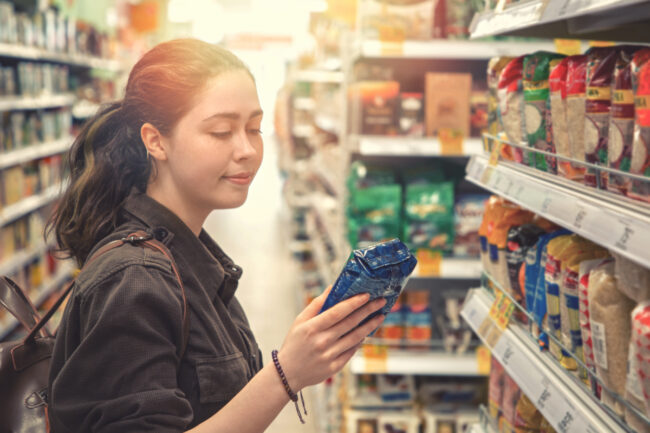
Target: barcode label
<point x="600" y="345"/>
<point x="633" y="383"/>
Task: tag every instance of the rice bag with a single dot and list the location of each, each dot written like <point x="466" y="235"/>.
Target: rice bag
<point x="520" y="240"/>
<point x="511" y="104"/>
<point x="609" y="314"/>
<point x="585" y="325"/>
<point x="640" y="160"/>
<point x="621" y="124"/>
<point x="381" y="270"/>
<point x="495" y="66"/>
<point x="556" y="115"/>
<point x="632" y="279"/>
<point x="637" y="367"/>
<point x="536" y="72"/>
<point x="576" y="105"/>
<point x="641" y="367"/>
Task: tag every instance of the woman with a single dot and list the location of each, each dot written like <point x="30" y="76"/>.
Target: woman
<point x="185" y="141"/>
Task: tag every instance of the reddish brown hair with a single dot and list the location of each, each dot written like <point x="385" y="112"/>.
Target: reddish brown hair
<point x="108" y="158"/>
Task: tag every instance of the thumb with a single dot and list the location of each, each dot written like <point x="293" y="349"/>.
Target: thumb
<point x="314" y="306"/>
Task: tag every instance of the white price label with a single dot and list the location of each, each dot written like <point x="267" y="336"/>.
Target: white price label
<point x="600" y="343"/>
<point x="546" y="204"/>
<point x="579" y="218"/>
<point x="559" y="9"/>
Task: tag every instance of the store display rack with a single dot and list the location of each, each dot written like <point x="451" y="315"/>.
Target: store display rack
<point x="609" y="20"/>
<point x="417" y="362"/>
<point x="453" y="268"/>
<point x="18" y="156"/>
<point x="318" y="76"/>
<point x="586" y="211"/>
<point x="374" y="145"/>
<point x="33" y="53"/>
<point x="29" y="204"/>
<point x="446" y="49"/>
<point x="8" y="103"/>
<point x="558" y="395"/>
<point x="44" y="292"/>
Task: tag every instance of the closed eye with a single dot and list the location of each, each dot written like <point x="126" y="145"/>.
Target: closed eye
<point x="221" y="135"/>
<point x="255" y="131"/>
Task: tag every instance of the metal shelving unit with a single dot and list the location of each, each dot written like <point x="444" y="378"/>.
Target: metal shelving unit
<point x="431" y="363"/>
<point x="33" y="53"/>
<point x="370" y="145"/>
<point x="18" y="156"/>
<point x="9" y="103"/>
<point x="29" y="204"/>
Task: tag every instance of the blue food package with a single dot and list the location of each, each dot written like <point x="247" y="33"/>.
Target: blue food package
<point x="381" y="270"/>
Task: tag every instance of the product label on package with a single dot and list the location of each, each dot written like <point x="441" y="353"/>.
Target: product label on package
<point x="599" y="343"/>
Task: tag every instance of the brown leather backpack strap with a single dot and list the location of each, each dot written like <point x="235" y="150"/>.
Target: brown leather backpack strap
<point x="14" y="300"/>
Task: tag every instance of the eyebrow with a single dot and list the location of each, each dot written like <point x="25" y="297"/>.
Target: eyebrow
<point x="233" y="115"/>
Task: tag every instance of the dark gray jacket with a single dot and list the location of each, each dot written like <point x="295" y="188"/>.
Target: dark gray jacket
<point x="115" y="365"/>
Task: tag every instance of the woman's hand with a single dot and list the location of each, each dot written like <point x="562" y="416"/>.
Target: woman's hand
<point x="319" y="345"/>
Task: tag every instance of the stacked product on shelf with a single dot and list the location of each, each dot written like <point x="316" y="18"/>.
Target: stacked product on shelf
<point x="20" y="129"/>
<point x="587" y="108"/>
<point x="398" y="403"/>
<point x="417" y="205"/>
<point x="583" y="301"/>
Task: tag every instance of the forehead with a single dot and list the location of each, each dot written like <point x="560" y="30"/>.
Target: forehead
<point x="232" y="91"/>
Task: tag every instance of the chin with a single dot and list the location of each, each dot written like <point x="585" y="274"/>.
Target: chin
<point x="231" y="202"/>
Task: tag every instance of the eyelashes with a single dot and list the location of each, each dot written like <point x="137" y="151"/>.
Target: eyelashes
<point x="227" y="134"/>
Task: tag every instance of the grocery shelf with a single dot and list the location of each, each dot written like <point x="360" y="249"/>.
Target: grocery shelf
<point x="303" y="131"/>
<point x="584" y="19"/>
<point x="15" y="157"/>
<point x="44" y="292"/>
<point x="562" y="401"/>
<point x="454" y="268"/>
<point x="449" y="49"/>
<point x="374" y="145"/>
<point x="8" y="103"/>
<point x="318" y="76"/>
<point x="433" y="363"/>
<point x="84" y="109"/>
<point x="327" y="123"/>
<point x="29" y="204"/>
<point x="33" y="53"/>
<point x="613" y="221"/>
<point x="304" y="103"/>
<point x="21" y="258"/>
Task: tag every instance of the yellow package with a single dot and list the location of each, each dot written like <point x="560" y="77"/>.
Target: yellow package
<point x="492" y="210"/>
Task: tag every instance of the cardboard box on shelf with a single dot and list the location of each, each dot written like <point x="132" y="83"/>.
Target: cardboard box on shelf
<point x="375" y="105"/>
<point x="447" y="102"/>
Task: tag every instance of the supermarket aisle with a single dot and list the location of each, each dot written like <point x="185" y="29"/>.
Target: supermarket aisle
<point x="253" y="236"/>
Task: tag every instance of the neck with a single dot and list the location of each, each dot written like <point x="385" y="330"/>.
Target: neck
<point x="172" y="200"/>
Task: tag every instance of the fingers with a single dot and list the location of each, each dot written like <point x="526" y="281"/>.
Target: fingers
<point x="314" y="306"/>
<point x="351" y="322"/>
<point x="357" y="336"/>
<point x="344" y="357"/>
<point x="340" y="311"/>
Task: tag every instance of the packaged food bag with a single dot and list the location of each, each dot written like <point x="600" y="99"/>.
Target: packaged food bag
<point x="493" y="211"/>
<point x="638" y="357"/>
<point x="536" y="72"/>
<point x="520" y="240"/>
<point x="570" y="304"/>
<point x="495" y="394"/>
<point x="609" y="313"/>
<point x="511" y="394"/>
<point x="640" y="162"/>
<point x="576" y="106"/>
<point x="468" y="214"/>
<point x="621" y="124"/>
<point x="429" y="216"/>
<point x="374" y="214"/>
<point x="512" y="216"/>
<point x="639" y="376"/>
<point x="511" y="105"/>
<point x="585" y="325"/>
<point x="632" y="279"/>
<point x="495" y="66"/>
<point x="527" y="416"/>
<point x="556" y="115"/>
<point x="381" y="270"/>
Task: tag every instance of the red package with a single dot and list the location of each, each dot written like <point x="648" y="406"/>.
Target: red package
<point x="495" y="393"/>
<point x="640" y="157"/>
<point x="511" y="394"/>
<point x="556" y="122"/>
<point x="511" y="103"/>
<point x="576" y="88"/>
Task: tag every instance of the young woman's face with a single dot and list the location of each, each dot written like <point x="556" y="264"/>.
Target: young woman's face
<point x="216" y="149"/>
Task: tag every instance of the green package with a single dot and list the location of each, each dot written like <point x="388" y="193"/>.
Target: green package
<point x="429" y="216"/>
<point x="374" y="214"/>
<point x="536" y="71"/>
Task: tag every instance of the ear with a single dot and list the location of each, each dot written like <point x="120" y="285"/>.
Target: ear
<point x="154" y="141"/>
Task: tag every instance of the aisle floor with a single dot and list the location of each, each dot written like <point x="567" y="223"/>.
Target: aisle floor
<point x="254" y="237"/>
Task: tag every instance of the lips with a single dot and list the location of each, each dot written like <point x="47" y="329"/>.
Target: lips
<point x="240" y="178"/>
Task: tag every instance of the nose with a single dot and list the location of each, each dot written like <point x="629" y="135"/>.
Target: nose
<point x="245" y="147"/>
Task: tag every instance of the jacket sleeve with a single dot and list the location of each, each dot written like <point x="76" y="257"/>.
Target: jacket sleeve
<point x="120" y="340"/>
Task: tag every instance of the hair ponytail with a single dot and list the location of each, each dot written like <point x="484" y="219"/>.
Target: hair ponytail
<point x="108" y="158"/>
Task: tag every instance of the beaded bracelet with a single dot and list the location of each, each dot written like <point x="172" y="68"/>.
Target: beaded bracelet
<point x="292" y="395"/>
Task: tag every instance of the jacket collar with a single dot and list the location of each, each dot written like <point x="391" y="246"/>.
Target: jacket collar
<point x="210" y="263"/>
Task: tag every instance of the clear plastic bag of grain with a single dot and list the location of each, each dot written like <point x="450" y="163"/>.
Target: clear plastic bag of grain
<point x="576" y="111"/>
<point x="585" y="325"/>
<point x="510" y="93"/>
<point x="633" y="279"/>
<point x="609" y="315"/>
<point x="556" y="121"/>
<point x="495" y="66"/>
<point x="640" y="159"/>
<point x="636" y="359"/>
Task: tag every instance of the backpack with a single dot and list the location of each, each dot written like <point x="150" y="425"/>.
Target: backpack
<point x="25" y="364"/>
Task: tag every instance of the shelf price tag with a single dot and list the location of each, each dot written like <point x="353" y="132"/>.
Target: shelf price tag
<point x="495" y="152"/>
<point x="483" y="360"/>
<point x="429" y="262"/>
<point x="568" y="47"/>
<point x="451" y="141"/>
<point x="375" y="358"/>
<point x="501" y="310"/>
